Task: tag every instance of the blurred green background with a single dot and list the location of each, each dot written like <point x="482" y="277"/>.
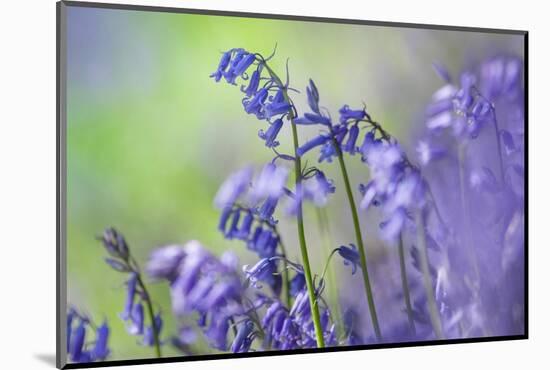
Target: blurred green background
<point x="151" y="137"/>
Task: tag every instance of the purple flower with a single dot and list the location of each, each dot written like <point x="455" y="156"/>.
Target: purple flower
<point x="148" y="336"/>
<point x="297" y="283"/>
<point x="347" y="114"/>
<point x="216" y="333"/>
<point x="100" y="350"/>
<point x="256" y="104"/>
<point x="350" y="256"/>
<point x="131" y="285"/>
<point x="270" y="183"/>
<point x="233" y="187"/>
<point x="253" y="84"/>
<point x="317" y="141"/>
<point x="244" y="337"/>
<point x="313" y="96"/>
<point x="76" y="349"/>
<point x="222" y="66"/>
<point x="270" y="135"/>
<point x="277" y="106"/>
<point x="501" y="76"/>
<point x="244" y="231"/>
<point x="313" y="119"/>
<point x="135" y="327"/>
<point x="115" y="244"/>
<point x="261" y="271"/>
<point x="349" y="146"/>
<point x="164" y="262"/>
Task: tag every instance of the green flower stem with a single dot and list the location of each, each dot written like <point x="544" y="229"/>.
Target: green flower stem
<point x="286" y="279"/>
<point x="300" y="221"/>
<point x="405" y="283"/>
<point x="324" y="229"/>
<point x="151" y="315"/>
<point x="426" y="278"/>
<point x="359" y="239"/>
<point x="303" y="248"/>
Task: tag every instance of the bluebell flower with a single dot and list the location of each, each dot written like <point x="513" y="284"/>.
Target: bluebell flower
<point x="270" y="183"/>
<point x="233" y="187"/>
<point x="263" y="242"/>
<point x="268" y="207"/>
<point x="270" y="135"/>
<point x="222" y="292"/>
<point x="216" y="333"/>
<point x="243" y="64"/>
<point x="297" y="283"/>
<point x="101" y="350"/>
<point x="164" y="262"/>
<point x="277" y="106"/>
<point x="118" y="265"/>
<point x="350" y="256"/>
<point x="131" y="285"/>
<point x="244" y="231"/>
<point x="312" y="119"/>
<point x="71" y="315"/>
<point x="231" y="74"/>
<point x="501" y="76"/>
<point x="244" y="337"/>
<point x="234" y="227"/>
<point x="346" y="114"/>
<point x="224" y="218"/>
<point x="253" y="84"/>
<point x="115" y="244"/>
<point x="135" y="327"/>
<point x="350" y="146"/>
<point x="315" y="189"/>
<point x="256" y="104"/>
<point x="148" y="336"/>
<point x="222" y="66"/>
<point x="209" y="287"/>
<point x="313" y="97"/>
<point x="326" y="185"/>
<point x="263" y="270"/>
<point x="315" y="142"/>
<point x="76" y="350"/>
<point x="350" y="321"/>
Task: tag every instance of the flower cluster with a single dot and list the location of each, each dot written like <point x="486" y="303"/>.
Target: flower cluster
<point x="265" y="96"/>
<point x="459" y="252"/>
<point x="201" y="283"/>
<point x="136" y="293"/>
<point x="78" y="348"/>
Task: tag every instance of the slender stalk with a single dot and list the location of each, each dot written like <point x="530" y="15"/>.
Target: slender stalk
<point x="359" y="239"/>
<point x="324" y="228"/>
<point x="151" y="315"/>
<point x="300" y="221"/>
<point x="405" y="284"/>
<point x="303" y="248"/>
<point x="286" y="279"/>
<point x="426" y="278"/>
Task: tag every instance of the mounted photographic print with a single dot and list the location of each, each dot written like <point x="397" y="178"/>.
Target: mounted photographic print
<point x="235" y="185"/>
